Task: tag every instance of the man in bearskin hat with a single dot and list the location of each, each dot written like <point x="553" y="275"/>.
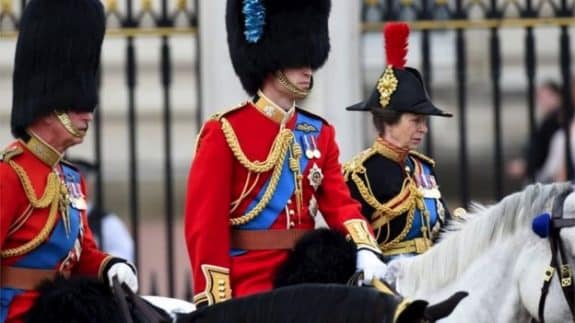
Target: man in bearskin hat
<point x="263" y="169"/>
<point x="396" y="185"/>
<point x="44" y="231"/>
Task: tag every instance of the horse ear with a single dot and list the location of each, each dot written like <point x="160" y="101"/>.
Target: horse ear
<point x="413" y="312"/>
<point x="443" y="309"/>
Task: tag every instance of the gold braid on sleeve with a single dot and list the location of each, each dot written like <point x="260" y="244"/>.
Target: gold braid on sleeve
<point x="359" y="232"/>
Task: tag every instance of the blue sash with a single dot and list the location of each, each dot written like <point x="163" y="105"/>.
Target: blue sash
<point x="52" y="251"/>
<point x="286" y="186"/>
<point x="430" y="206"/>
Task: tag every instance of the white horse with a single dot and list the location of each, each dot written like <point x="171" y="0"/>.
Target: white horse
<point x="495" y="256"/>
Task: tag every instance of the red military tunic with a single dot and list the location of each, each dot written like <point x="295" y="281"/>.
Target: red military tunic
<point x="40" y="238"/>
<point x="221" y="188"/>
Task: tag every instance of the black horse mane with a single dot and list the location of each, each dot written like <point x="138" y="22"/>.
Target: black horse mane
<point x="332" y="303"/>
<point x="88" y="300"/>
<point x="74" y="300"/>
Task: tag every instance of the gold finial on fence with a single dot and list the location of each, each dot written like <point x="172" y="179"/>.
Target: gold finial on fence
<point x="372" y="2"/>
<point x="182" y="4"/>
<point x="6" y="6"/>
<point x="146" y="5"/>
<point x="407" y="2"/>
<point x="441" y="2"/>
<point x="112" y="5"/>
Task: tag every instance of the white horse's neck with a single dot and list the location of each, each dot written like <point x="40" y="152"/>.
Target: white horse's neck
<point x="482" y="231"/>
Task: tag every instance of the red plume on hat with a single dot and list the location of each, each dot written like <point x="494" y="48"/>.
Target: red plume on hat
<point x="399" y="88"/>
<point x="396" y="36"/>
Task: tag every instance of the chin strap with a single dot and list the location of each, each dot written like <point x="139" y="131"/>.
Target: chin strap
<point x="290" y="87"/>
<point x="67" y="123"/>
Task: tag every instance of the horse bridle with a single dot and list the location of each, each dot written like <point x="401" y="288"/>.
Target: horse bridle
<point x="558" y="259"/>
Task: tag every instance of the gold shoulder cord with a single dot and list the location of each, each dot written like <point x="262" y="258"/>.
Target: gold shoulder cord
<point x="415" y="200"/>
<point x="277" y="154"/>
<point x="50" y="198"/>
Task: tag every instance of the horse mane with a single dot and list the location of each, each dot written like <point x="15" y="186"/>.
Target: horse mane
<point x="82" y="299"/>
<point x="304" y="303"/>
<point x="467" y="238"/>
<point x="89" y="300"/>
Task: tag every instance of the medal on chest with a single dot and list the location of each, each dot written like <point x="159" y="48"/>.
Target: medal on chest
<point x="75" y="195"/>
<point x="315" y="176"/>
<point x="311" y="148"/>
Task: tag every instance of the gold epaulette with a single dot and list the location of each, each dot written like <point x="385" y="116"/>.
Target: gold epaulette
<point x="219" y="115"/>
<point x="216" y="116"/>
<point x="423" y="157"/>
<point x="355" y="165"/>
<point x="9" y="153"/>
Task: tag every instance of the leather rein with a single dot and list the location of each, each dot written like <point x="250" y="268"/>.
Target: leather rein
<point x="559" y="261"/>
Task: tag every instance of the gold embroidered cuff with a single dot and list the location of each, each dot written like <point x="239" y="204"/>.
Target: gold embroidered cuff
<point x="218" y="288"/>
<point x="359" y="233"/>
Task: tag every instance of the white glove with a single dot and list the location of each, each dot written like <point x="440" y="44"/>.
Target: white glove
<point x="125" y="274"/>
<point x="371" y="265"/>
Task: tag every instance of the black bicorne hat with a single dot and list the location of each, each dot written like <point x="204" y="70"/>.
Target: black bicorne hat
<point x="399" y="88"/>
<point x="265" y="36"/>
<point x="57" y="58"/>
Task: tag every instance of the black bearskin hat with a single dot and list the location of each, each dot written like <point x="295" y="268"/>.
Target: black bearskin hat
<point x="321" y="256"/>
<point x="57" y="58"/>
<point x="399" y="88"/>
<point x="265" y="36"/>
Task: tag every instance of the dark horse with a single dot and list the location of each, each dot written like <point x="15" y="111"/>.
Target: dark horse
<point x="90" y="301"/>
<point x="87" y="300"/>
<point x="306" y="300"/>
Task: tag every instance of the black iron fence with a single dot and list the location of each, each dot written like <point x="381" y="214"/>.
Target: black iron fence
<point x="428" y="16"/>
<point x="130" y="20"/>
